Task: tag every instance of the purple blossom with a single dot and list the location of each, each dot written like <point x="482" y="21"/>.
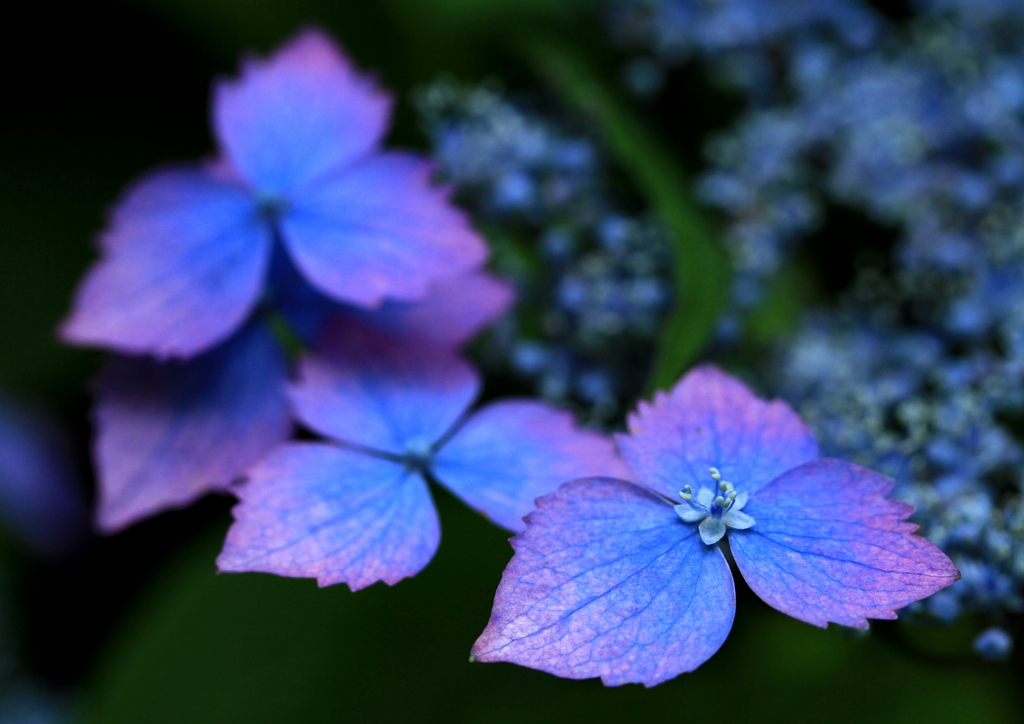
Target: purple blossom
<point x="303" y="215"/>
<point x="188" y="250"/>
<point x="169" y="432"/>
<point x="628" y="581"/>
<point x="356" y="508"/>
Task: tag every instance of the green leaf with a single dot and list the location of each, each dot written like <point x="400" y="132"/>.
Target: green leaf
<point x="700" y="266"/>
<point x="788" y="296"/>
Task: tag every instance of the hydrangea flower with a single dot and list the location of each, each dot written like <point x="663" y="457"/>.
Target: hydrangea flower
<point x="169" y="432"/>
<point x="356" y="508"/>
<point x="628" y="581"/>
<point x="302" y="213"/>
<point x="188" y="250"/>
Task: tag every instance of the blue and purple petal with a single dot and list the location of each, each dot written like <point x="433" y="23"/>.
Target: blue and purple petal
<point x="297" y="115"/>
<point x="712" y="420"/>
<point x="369" y="388"/>
<point x="452" y="313"/>
<point x="379" y="230"/>
<point x="607" y="582"/>
<point x="829" y="546"/>
<point x="315" y="511"/>
<point x="511" y="452"/>
<point x="184" y="262"/>
<point x="169" y="432"/>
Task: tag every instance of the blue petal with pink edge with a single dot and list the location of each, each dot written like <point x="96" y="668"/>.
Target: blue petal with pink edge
<point x="316" y="511"/>
<point x="607" y="582"/>
<point x="297" y="115"/>
<point x="452" y="313"/>
<point x="184" y="262"/>
<point x="511" y="452"/>
<point x="372" y="389"/>
<point x="168" y="433"/>
<point x="379" y="230"/>
<point x="712" y="420"/>
<point x="829" y="546"/>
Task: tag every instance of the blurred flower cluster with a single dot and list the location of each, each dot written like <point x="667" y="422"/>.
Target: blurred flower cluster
<point x="592" y="273"/>
<point x="920" y="128"/>
<point x="43" y="512"/>
<point x="749" y="43"/>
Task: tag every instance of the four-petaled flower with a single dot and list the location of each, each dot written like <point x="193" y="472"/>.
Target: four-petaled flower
<point x="628" y="582"/>
<point x="188" y="251"/>
<point x="358" y="510"/>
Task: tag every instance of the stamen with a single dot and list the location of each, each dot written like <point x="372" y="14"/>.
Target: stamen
<point x="715" y="510"/>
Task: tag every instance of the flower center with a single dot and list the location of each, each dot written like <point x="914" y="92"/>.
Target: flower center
<point x="716" y="508"/>
<point x="419" y="454"/>
<point x="270" y="206"/>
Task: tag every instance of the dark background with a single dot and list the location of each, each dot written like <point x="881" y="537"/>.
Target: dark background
<point x="138" y="628"/>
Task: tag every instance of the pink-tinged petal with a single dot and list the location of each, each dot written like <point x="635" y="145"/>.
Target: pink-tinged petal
<point x="316" y="511"/>
<point x="607" y="581"/>
<point x="452" y="313"/>
<point x="298" y="114"/>
<point x="511" y="452"/>
<point x="379" y="230"/>
<point x="167" y="433"/>
<point x="827" y="545"/>
<point x="712" y="420"/>
<point x="184" y="262"/>
<point x="370" y="388"/>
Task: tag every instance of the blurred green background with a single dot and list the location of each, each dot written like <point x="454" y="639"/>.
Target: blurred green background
<point x="139" y="625"/>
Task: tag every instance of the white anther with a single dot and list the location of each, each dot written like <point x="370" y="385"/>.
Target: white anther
<point x="715" y="475"/>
